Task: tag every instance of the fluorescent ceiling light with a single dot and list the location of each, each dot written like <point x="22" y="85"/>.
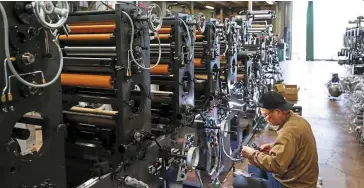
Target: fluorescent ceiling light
<point x="270" y="2"/>
<point x="209" y="7"/>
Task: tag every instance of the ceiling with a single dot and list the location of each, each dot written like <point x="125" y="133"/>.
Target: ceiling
<point x="234" y="5"/>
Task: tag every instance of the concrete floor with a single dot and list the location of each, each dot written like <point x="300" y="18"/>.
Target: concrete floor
<point x="341" y="157"/>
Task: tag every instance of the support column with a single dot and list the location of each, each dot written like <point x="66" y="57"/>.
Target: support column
<point x="289" y="37"/>
<point x="282" y="18"/>
<point x="164" y="8"/>
<point x="310" y="33"/>
<point x="222" y="14"/>
<point x="192" y="8"/>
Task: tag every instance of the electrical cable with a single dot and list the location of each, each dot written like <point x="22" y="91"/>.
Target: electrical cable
<point x="131" y="46"/>
<point x="189" y="37"/>
<point x="10" y="64"/>
<point x="6" y="77"/>
<point x="223" y="145"/>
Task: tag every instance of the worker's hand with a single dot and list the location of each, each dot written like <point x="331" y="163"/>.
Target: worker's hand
<point x="265" y="147"/>
<point x="247" y="151"/>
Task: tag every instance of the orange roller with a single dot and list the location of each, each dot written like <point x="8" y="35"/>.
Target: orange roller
<point x="165" y="30"/>
<point x="240" y="76"/>
<point x="92" y="29"/>
<point x="201" y="76"/>
<point x="160" y="69"/>
<point x="85" y="80"/>
<point x="197" y="62"/>
<point x="164" y="36"/>
<point x="198" y="37"/>
<point x="93" y="23"/>
<point x="198" y="32"/>
<point x="85" y="37"/>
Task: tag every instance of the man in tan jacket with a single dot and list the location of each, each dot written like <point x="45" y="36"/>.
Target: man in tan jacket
<point x="291" y="161"/>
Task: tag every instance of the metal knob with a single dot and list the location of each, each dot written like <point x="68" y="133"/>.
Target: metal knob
<point x="28" y="58"/>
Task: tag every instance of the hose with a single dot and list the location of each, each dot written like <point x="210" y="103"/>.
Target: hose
<point x="131" y="46"/>
<point x="6" y="77"/>
<point x="223" y="146"/>
<point x="189" y="37"/>
<point x="10" y="64"/>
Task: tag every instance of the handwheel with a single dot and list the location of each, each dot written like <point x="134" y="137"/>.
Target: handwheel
<point x="43" y="9"/>
<point x="227" y="25"/>
<point x="154" y="17"/>
<point x="193" y="158"/>
<point x="201" y="22"/>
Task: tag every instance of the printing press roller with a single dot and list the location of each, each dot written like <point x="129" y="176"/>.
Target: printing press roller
<point x="164" y="37"/>
<point x="103" y="118"/>
<point x="263" y="16"/>
<point x="164" y="69"/>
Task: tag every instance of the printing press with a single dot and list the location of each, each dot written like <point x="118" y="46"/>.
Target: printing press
<point x="123" y="97"/>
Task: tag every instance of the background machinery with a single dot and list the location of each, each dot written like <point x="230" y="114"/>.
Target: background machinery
<point x="125" y="97"/>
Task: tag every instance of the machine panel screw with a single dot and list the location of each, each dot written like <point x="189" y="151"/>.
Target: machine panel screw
<point x="59" y="127"/>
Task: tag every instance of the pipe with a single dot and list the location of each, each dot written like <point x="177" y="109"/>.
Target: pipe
<point x="84" y="80"/>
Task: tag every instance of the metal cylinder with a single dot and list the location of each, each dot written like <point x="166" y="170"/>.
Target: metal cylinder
<point x="255" y="12"/>
<point x="162" y="45"/>
<point x="263" y="17"/>
<point x="89" y="49"/>
<point x="257" y="29"/>
<point x="90" y="54"/>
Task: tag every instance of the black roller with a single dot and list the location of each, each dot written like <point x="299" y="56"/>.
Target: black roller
<point x="89" y="119"/>
<point x="163" y="60"/>
<point x="91" y="69"/>
<point x="161" y="100"/>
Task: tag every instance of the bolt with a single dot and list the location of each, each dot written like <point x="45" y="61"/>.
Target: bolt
<point x="59" y="127"/>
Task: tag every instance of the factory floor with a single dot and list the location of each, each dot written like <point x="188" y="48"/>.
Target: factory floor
<point x="341" y="157"/>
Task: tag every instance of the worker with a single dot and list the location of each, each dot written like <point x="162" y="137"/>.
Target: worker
<point x="290" y="161"/>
